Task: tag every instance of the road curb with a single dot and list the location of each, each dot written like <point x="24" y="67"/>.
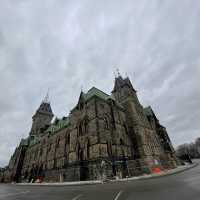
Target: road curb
<point x="171" y="172"/>
<point x="152" y="176"/>
<point x="62" y="184"/>
<point x="182" y="170"/>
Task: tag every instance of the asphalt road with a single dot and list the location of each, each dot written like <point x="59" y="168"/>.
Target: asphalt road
<point x="181" y="186"/>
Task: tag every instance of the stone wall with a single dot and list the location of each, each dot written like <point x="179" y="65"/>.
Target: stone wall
<point x="103" y="136"/>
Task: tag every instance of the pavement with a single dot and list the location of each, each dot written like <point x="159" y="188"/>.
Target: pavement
<point x="184" y="185"/>
<point x="92" y="182"/>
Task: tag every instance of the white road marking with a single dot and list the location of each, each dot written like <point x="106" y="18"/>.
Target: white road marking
<point x="77" y="197"/>
<point x="13" y="194"/>
<point x="118" y="195"/>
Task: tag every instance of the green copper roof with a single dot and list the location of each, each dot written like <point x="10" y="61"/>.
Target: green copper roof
<point x="24" y="142"/>
<point x="96" y="92"/>
<point x="54" y="127"/>
<point x="148" y="111"/>
<point x="34" y="140"/>
<point x="58" y="124"/>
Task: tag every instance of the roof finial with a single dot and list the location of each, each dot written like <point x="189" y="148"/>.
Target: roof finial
<point x="46" y="98"/>
<point x="114" y="74"/>
<point x="118" y="73"/>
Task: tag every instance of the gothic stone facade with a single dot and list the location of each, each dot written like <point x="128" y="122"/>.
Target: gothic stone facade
<point x="109" y="135"/>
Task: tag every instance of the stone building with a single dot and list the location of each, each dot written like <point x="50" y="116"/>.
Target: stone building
<point x="104" y="135"/>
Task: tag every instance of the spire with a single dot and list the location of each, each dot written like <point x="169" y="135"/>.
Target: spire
<point x="114" y="74"/>
<point x="46" y="98"/>
<point x="120" y="82"/>
<point x="45" y="106"/>
<point x="42" y="116"/>
<point x="118" y="72"/>
<point x="81" y="88"/>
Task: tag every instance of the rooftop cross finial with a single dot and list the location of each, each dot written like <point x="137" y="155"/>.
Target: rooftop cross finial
<point x="46" y="99"/>
<point x="114" y="74"/>
<point x="118" y="73"/>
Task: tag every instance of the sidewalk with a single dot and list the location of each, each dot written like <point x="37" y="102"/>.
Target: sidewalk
<point x="64" y="183"/>
<point x="166" y="173"/>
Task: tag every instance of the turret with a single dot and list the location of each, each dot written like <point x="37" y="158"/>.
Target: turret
<point x="42" y="118"/>
<point x="123" y="90"/>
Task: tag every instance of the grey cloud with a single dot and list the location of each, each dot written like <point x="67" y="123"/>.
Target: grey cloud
<point x="65" y="45"/>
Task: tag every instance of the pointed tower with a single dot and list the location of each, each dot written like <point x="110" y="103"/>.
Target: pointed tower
<point x="123" y="89"/>
<point x="125" y="94"/>
<point x="141" y="133"/>
<point x="42" y="118"/>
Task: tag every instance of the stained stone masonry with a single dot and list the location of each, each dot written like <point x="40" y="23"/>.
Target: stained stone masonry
<point x="103" y="136"/>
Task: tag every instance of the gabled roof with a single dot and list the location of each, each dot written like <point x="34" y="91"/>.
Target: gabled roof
<point x="24" y="142"/>
<point x="45" y="108"/>
<point x="58" y="124"/>
<point x="119" y="82"/>
<point x="53" y="128"/>
<point x="96" y="92"/>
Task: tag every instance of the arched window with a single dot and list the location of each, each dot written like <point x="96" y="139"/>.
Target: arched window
<point x="68" y="139"/>
<point x="58" y="143"/>
<point x="81" y="106"/>
<point x="80" y="153"/>
<point x="88" y="149"/>
<point x="121" y="141"/>
<point x="106" y="123"/>
<point x="81" y="157"/>
<point x="41" y="151"/>
<point x="36" y="153"/>
<point x="83" y="127"/>
<point x="49" y="148"/>
<point x="125" y="128"/>
<point x="109" y="148"/>
<point x="80" y="131"/>
<point x="67" y="143"/>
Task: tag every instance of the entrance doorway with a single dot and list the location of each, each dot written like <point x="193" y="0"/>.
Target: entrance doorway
<point x="84" y="170"/>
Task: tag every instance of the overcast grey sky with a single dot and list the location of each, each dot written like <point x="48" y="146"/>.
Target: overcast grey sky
<point x="63" y="45"/>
